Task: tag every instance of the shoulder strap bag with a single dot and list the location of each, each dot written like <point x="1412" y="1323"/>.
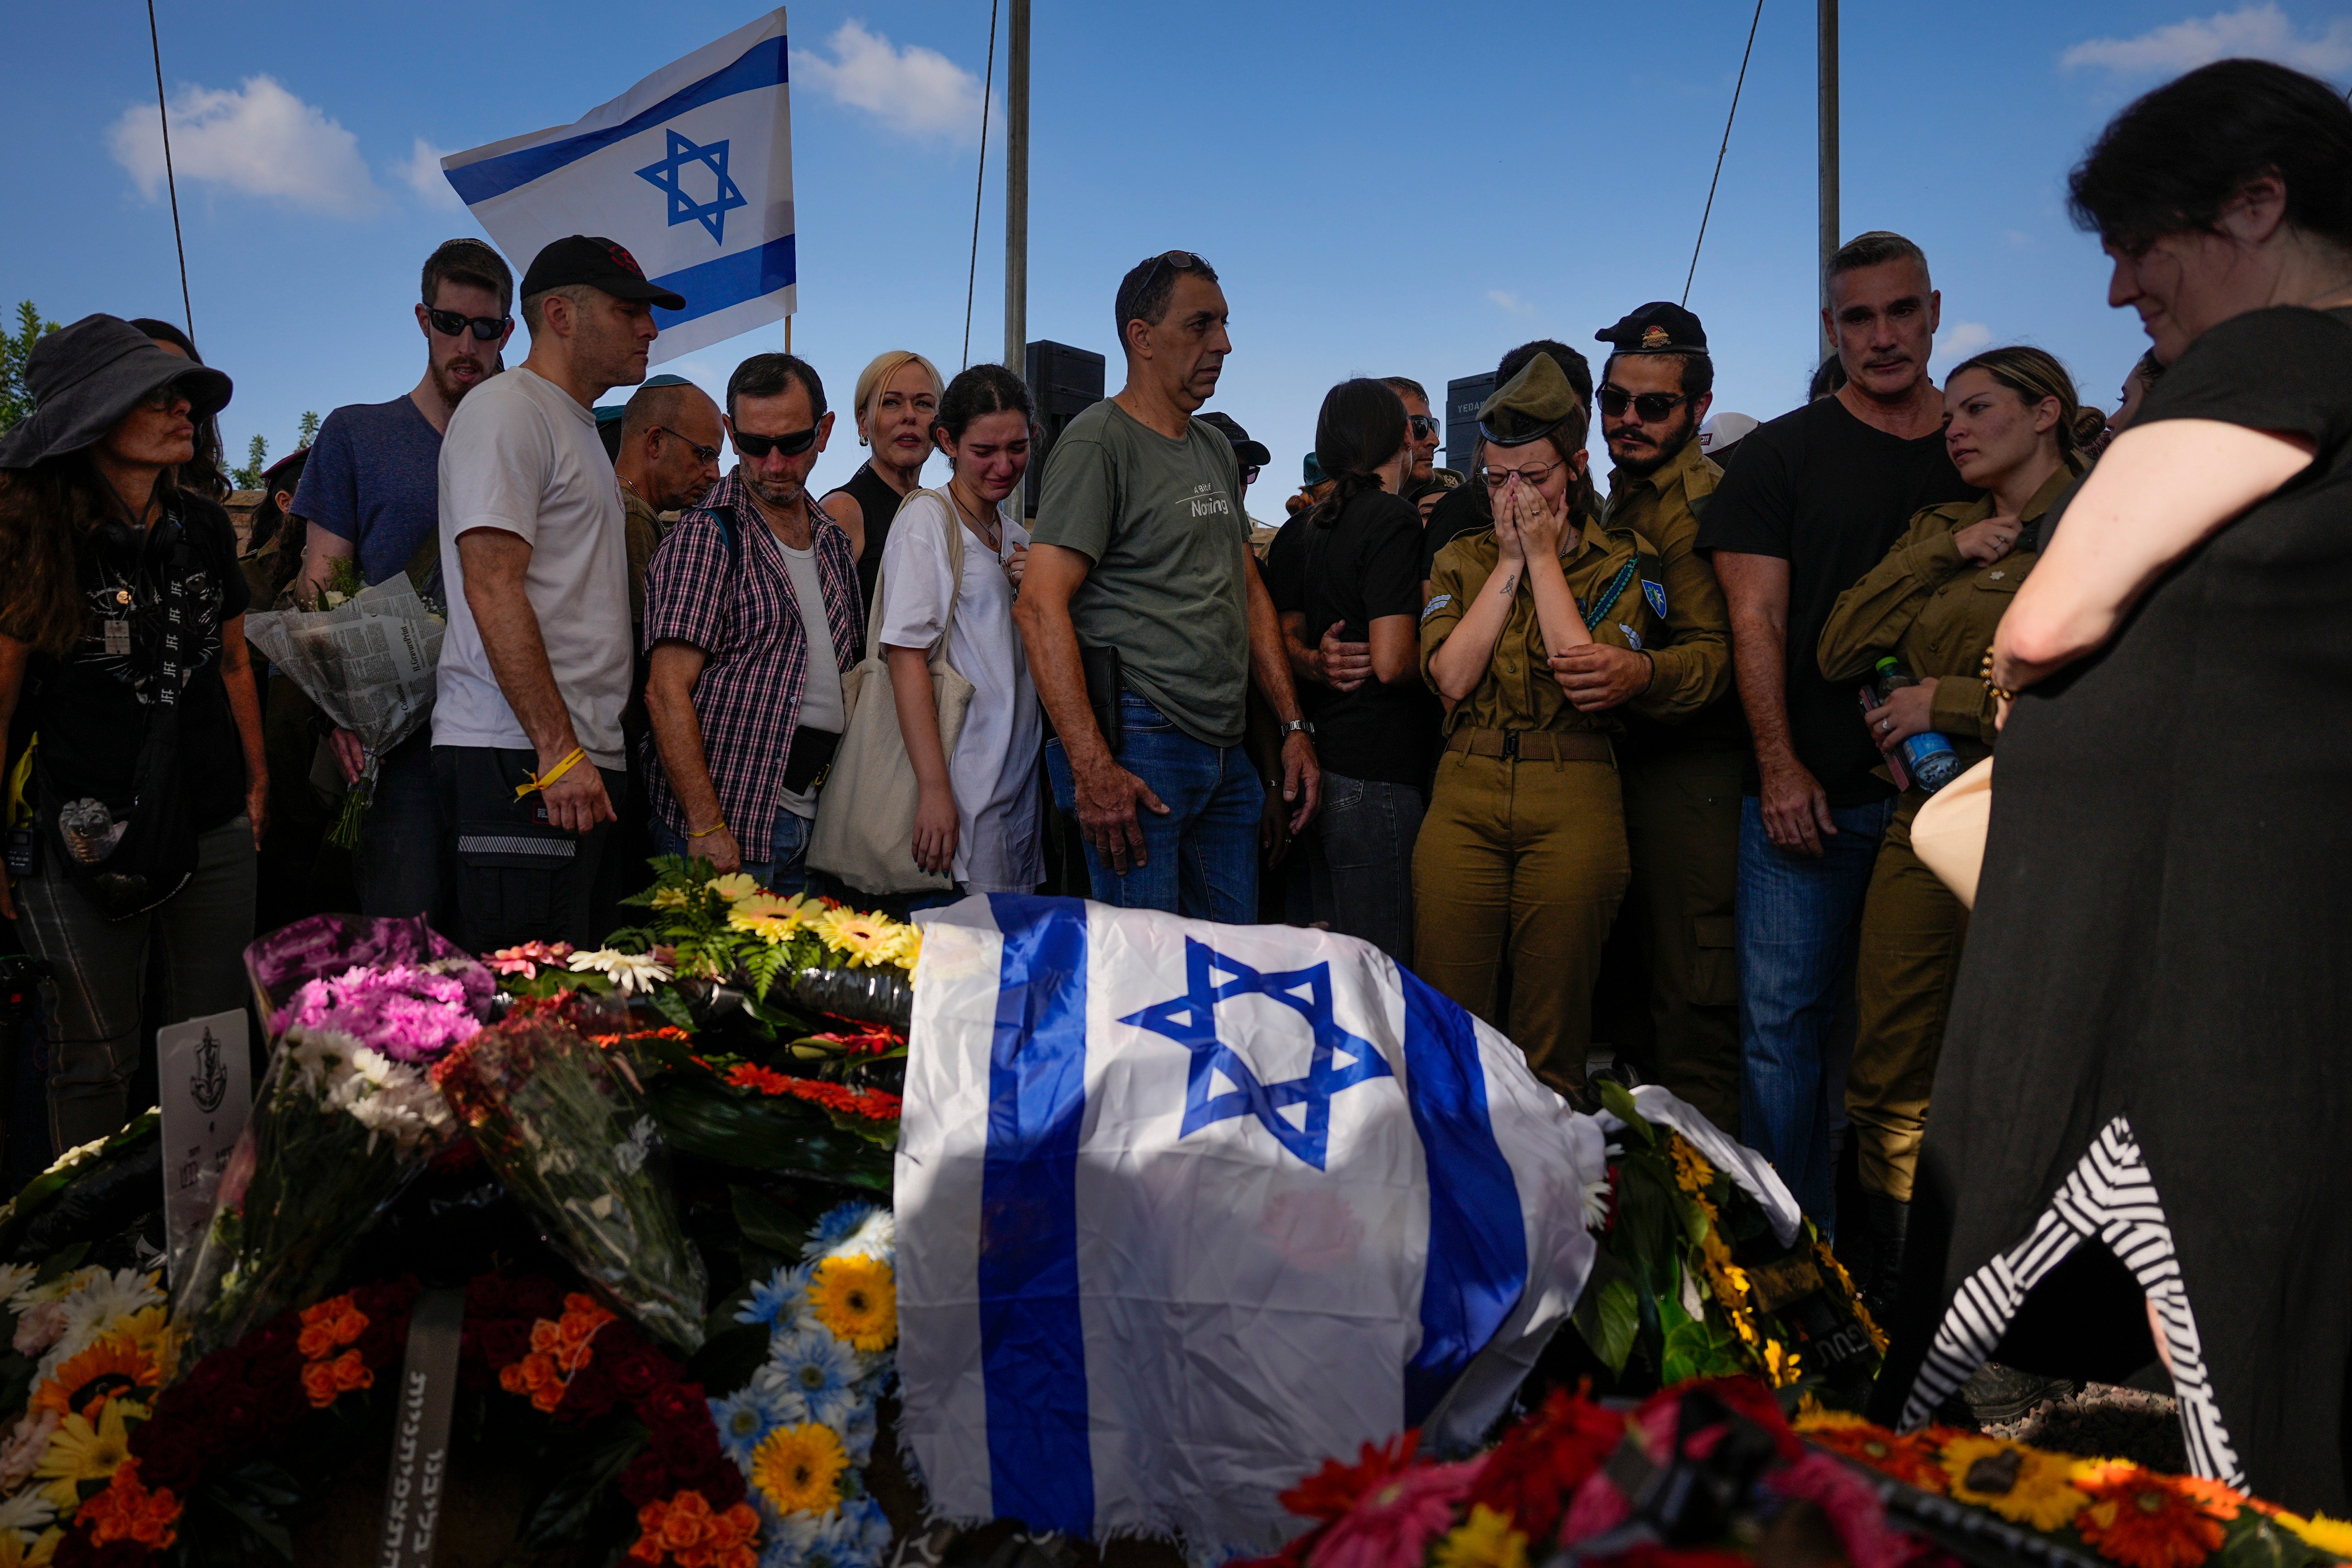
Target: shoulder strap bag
<point x="864" y="831"/>
<point x="1948" y="834"/>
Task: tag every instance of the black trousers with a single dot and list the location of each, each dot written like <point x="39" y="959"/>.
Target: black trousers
<point x="517" y="878"/>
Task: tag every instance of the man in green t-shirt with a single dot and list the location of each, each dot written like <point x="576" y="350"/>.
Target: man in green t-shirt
<point x="1140" y="546"/>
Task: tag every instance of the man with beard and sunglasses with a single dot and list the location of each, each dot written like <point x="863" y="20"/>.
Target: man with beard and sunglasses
<point x="372" y="489"/>
<point x="528" y="752"/>
<point x="751" y="618"/>
<point x="1680" y="780"/>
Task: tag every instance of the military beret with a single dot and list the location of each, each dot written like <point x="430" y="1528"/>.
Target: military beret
<point x="1530" y="406"/>
<point x="1657" y="328"/>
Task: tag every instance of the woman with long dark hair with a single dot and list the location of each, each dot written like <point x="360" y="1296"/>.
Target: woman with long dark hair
<point x="122" y="635"/>
<point x="2139" y="1148"/>
<point x="977" y="817"/>
<point x="2016" y="430"/>
<point x="1350" y="564"/>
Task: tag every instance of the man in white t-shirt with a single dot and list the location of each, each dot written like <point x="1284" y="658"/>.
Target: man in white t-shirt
<point x="527" y="748"/>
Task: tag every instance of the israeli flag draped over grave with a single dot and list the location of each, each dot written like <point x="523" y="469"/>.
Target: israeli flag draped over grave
<point x="1184" y="1207"/>
<point x="690" y="170"/>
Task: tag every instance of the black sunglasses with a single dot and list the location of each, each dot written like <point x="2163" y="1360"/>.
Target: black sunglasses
<point x="1424" y="426"/>
<point x="1181" y="260"/>
<point x="758" y="447"/>
<point x="1651" y="406"/>
<point x="1249" y="474"/>
<point x="449" y="323"/>
<point x="702" y="454"/>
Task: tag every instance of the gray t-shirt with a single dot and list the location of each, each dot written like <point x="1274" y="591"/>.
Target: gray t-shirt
<point x="821" y="704"/>
<point x="1168" y="590"/>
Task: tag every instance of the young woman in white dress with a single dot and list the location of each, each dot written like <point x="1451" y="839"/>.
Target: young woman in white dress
<point x="979" y="818"/>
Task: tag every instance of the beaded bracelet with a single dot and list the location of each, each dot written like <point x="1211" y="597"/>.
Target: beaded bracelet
<point x="2002" y="692"/>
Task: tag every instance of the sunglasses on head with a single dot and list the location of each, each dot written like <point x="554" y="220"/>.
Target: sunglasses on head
<point x="1181" y="260"/>
<point x="1651" y="406"/>
<point x="449" y="323"/>
<point x="758" y="447"/>
<point x="1424" y="426"/>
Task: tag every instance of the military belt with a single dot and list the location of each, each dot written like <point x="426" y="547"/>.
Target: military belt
<point x="1540" y="745"/>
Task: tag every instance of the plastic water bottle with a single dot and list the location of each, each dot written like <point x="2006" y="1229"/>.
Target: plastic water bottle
<point x="1927" y="755"/>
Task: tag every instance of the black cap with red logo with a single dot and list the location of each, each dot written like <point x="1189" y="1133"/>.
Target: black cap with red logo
<point x="600" y="263"/>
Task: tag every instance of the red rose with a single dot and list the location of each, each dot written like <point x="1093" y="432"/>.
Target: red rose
<point x="536" y="1296"/>
<point x="646" y="1481"/>
<point x="282" y="1403"/>
<point x="635" y="1375"/>
<point x="505" y="1342"/>
<point x="589" y="1396"/>
<point x="675" y="1404"/>
<point x="380" y="1344"/>
<point x="487" y="1296"/>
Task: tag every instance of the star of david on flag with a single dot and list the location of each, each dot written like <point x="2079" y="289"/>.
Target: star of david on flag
<point x="690" y="170"/>
<point x="683" y="208"/>
<point x="1340" y="1060"/>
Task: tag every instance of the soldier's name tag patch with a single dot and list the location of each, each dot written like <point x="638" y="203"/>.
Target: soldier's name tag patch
<point x="1656" y="594"/>
<point x="118" y="637"/>
<point x="1632" y="637"/>
<point x="1435" y="605"/>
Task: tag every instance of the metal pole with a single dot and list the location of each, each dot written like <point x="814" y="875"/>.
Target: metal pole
<point x="1828" y="199"/>
<point x="1016" y="191"/>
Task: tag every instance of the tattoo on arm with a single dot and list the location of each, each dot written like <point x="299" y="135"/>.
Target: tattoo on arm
<point x="1510" y="586"/>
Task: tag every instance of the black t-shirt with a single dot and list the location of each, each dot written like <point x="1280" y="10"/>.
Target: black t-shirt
<point x="90" y="708"/>
<point x="1454" y="515"/>
<point x="1829" y="494"/>
<point x="1366" y="565"/>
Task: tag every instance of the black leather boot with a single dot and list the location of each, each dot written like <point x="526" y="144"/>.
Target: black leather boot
<point x="1888" y="1219"/>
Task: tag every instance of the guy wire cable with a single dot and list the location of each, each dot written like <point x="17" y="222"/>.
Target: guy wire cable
<point x="979" y="183"/>
<point x="155" y="42"/>
<point x="1721" y="151"/>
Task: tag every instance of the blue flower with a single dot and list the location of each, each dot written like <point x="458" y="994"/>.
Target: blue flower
<point x="779" y="1302"/>
<point x="845" y="1538"/>
<point x="789" y="1538"/>
<point x="856" y="1433"/>
<point x="817" y="1370"/>
<point x="746" y="1416"/>
<point x="868" y="1227"/>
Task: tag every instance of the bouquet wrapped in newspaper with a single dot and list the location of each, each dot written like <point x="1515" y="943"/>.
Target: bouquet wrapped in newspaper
<point x="345" y="1119"/>
<point x="565" y="1125"/>
<point x="367" y="659"/>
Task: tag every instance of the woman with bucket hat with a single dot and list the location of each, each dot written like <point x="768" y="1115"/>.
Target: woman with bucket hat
<point x="135" y="807"/>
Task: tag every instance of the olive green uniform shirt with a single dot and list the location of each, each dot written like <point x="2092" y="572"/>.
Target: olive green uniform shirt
<point x="1935" y="610"/>
<point x="1663" y="508"/>
<point x="1519" y="691"/>
<point x="644" y="530"/>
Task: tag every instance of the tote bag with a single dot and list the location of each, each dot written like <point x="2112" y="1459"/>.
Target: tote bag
<point x="1948" y="834"/>
<point x="864" y="831"/>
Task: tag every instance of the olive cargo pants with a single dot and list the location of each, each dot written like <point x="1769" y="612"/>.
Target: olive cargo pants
<point x="1912" y="930"/>
<point x="1521" y="860"/>
<point x="1682" y="823"/>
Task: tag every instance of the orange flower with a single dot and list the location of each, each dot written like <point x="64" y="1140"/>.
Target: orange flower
<point x="351" y="1372"/>
<point x="688" y="1523"/>
<point x="2143" y="1520"/>
<point x="1905" y="1459"/>
<point x="328" y="1325"/>
<point x="83" y="1384"/>
<point x="685" y="1531"/>
<point x="126" y="1510"/>
<point x="318" y="1382"/>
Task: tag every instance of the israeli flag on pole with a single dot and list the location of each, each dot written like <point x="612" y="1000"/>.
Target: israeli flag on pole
<point x="690" y="170"/>
<point x="1184" y="1208"/>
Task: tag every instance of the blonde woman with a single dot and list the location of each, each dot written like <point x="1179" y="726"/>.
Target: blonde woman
<point x="898" y="398"/>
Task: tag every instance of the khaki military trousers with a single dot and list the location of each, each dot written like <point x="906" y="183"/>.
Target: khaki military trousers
<point x="1681" y="824"/>
<point x="1519" y="869"/>
<point x="1912" y="929"/>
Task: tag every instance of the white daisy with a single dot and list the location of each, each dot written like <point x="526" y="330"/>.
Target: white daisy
<point x="29" y="1511"/>
<point x="15" y="1278"/>
<point x="854" y="1230"/>
<point x="629" y="972"/>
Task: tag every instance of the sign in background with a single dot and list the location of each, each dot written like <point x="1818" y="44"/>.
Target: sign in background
<point x="690" y="170"/>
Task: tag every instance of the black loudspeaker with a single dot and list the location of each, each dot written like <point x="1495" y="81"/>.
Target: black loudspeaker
<point x="1463" y="397"/>
<point x="1064" y="383"/>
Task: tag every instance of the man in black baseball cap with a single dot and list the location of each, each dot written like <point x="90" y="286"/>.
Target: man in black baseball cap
<point x="1680" y="782"/>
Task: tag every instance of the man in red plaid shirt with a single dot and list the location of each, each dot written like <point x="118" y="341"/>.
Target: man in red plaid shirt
<point x="752" y="619"/>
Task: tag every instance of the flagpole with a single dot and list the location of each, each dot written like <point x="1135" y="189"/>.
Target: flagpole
<point x="1016" y="192"/>
<point x="1826" y="133"/>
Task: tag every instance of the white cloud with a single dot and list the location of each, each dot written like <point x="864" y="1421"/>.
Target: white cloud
<point x="258" y="140"/>
<point x="422" y="171"/>
<point x="1960" y="340"/>
<point x="2261" y="32"/>
<point x="1510" y="301"/>
<point x="918" y="91"/>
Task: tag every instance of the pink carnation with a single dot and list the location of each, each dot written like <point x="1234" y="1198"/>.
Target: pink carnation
<point x="1391" y="1525"/>
<point x="408" y="1014"/>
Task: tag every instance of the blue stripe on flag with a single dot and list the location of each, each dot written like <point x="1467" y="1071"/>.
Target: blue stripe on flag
<point x="711" y="286"/>
<point x="1033" y="1346"/>
<point x="1477" y="1233"/>
<point x="762" y="65"/>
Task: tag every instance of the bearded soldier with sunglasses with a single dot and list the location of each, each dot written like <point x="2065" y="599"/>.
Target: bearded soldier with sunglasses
<point x="371" y="487"/>
<point x="1681" y="779"/>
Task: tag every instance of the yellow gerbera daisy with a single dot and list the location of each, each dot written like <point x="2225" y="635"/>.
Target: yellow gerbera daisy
<point x="864" y="939"/>
<point x="670" y="899"/>
<point x="111" y="1368"/>
<point x="2333" y="1536"/>
<point x="858" y="1299"/>
<point x="1779" y="1364"/>
<point x="86" y="1451"/>
<point x="1692" y="1172"/>
<point x="1485" y="1540"/>
<point x="735" y="885"/>
<point x="2024" y="1485"/>
<point x="798" y="1468"/>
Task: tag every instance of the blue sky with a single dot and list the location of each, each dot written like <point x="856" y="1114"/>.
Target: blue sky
<point x="1386" y="188"/>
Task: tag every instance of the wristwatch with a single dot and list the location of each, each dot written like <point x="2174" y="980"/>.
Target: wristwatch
<point x="1299" y="727"/>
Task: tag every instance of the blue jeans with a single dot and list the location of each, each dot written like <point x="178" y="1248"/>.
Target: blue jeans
<point x="1200" y="860"/>
<point x="786" y="870"/>
<point x="398" y="865"/>
<point x="1366" y="831"/>
<point x="1798" y="919"/>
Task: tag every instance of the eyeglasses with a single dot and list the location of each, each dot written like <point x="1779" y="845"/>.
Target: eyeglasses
<point x="1424" y="426"/>
<point x="1181" y="260"/>
<point x="1495" y="479"/>
<point x="758" y="447"/>
<point x="1651" y="406"/>
<point x="449" y="323"/>
<point x="702" y="454"/>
